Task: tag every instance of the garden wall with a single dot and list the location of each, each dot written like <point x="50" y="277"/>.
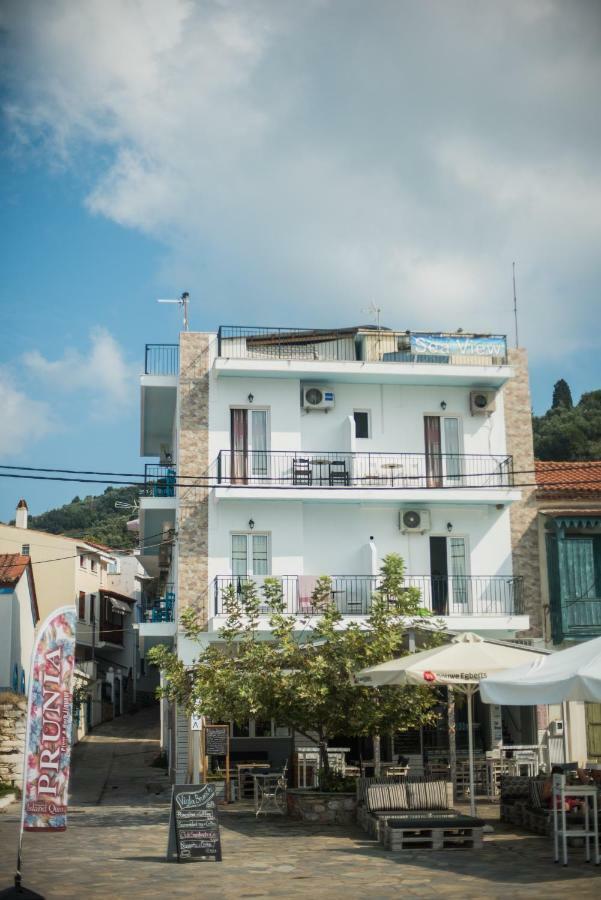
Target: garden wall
<point x="321" y="808"/>
<point x="13" y="716"/>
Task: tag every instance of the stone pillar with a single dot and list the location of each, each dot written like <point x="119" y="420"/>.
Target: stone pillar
<point x="13" y="723"/>
<point x="523" y="514"/>
<point x="193" y="469"/>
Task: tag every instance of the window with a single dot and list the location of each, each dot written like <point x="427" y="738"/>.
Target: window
<point x="361" y="423"/>
<point x="25" y="550"/>
<point x="82" y="561"/>
<point x="93" y="565"/>
<point x="114" y="567"/>
<point x="81" y="609"/>
<point x="92" y="607"/>
<point x="250" y="554"/>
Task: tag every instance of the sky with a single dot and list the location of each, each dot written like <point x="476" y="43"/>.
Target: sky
<point x="287" y="164"/>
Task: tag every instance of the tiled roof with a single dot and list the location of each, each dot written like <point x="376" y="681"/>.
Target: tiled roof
<point x="569" y="480"/>
<point x="12" y="566"/>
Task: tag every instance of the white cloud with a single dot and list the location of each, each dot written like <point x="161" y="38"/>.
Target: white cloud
<point x="24" y="420"/>
<point x="101" y="373"/>
<point x="300" y="158"/>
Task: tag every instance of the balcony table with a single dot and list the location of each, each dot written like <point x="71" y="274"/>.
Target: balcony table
<point x="391" y="468"/>
<point x="321" y="464"/>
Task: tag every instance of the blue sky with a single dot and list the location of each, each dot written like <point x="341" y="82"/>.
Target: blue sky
<point x="286" y="164"/>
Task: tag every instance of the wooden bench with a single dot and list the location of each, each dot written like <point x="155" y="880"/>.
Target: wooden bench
<point x="432" y="831"/>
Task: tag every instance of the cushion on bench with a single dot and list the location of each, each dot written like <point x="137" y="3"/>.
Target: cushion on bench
<point x="381" y="797"/>
<point x="428" y="795"/>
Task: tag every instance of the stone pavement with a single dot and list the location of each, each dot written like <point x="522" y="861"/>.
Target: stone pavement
<point x="115" y="844"/>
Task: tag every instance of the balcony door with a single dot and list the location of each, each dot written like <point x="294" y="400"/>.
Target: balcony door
<point x="250" y="556"/>
<point x="442" y="437"/>
<point x="448" y="576"/>
<point x="249" y="441"/>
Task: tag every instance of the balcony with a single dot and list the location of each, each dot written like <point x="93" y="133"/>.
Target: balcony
<point x="361" y="345"/>
<point x="159" y="481"/>
<point x="453" y="597"/>
<point x="160" y="609"/>
<point x="397" y="471"/>
<point x="161" y="359"/>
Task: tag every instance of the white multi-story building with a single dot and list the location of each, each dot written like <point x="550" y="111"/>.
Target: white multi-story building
<point x="299" y="453"/>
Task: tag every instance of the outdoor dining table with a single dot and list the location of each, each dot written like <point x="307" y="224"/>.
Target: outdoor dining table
<point x="269" y="793"/>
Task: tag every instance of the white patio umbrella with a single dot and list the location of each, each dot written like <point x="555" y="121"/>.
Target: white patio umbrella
<point x="462" y="663"/>
<point x="572" y="674"/>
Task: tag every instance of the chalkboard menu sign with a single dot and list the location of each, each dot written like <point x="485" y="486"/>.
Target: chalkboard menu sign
<point x="216" y="740"/>
<point x="194" y="823"/>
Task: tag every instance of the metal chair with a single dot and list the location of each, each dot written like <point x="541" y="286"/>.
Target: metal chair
<point x="339" y="473"/>
<point x="301" y="471"/>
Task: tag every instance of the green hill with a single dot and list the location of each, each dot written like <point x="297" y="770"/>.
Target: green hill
<point x="93" y="518"/>
<point x="568" y="432"/>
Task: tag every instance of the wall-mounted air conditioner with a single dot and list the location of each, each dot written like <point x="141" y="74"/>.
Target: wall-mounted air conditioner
<point x="414" y="521"/>
<point x="482" y="403"/>
<point x="318" y="397"/>
<point x="556" y="728"/>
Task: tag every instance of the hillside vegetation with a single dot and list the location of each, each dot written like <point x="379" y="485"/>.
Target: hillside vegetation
<point x="93" y="518"/>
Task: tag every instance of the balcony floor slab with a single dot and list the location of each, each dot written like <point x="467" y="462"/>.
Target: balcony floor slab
<point x="383" y="496"/>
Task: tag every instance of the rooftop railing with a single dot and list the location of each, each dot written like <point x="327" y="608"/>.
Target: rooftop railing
<point x="304" y="469"/>
<point x="361" y="345"/>
<point x="455" y="595"/>
<point x="160" y="609"/>
<point x="161" y="359"/>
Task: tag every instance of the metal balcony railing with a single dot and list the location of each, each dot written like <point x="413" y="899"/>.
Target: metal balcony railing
<point x="362" y="344"/>
<point x="161" y="359"/>
<point x="304" y="469"/>
<point x="159" y="481"/>
<point x="160" y="609"/>
<point x="455" y="595"/>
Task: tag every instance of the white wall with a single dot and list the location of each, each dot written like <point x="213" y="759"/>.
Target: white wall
<point x="397" y="416"/>
<point x="17" y="633"/>
<point x="330" y="538"/>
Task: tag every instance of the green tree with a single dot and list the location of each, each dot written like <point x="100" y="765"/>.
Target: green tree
<point x="306" y="682"/>
<point x="562" y="395"/>
<point x="566" y="434"/>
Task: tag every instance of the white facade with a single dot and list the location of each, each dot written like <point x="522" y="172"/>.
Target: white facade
<point x="462" y="560"/>
<point x="18" y="618"/>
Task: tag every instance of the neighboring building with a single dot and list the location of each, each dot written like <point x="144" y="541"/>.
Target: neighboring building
<point x="19" y="616"/>
<point x="74" y="571"/>
<point x="569" y="526"/>
<point x="299" y="453"/>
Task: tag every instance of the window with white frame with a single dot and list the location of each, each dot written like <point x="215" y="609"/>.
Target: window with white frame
<point x="82" y="561"/>
<point x="250" y="554"/>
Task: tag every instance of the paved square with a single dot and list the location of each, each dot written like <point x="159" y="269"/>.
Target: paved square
<point x="115" y="846"/>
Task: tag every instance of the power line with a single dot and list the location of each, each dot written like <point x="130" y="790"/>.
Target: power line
<point x="213" y="481"/>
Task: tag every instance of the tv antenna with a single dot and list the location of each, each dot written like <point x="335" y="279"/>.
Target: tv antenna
<point x="120" y="504"/>
<point x="515" y="310"/>
<point x="374" y="311"/>
<point x="183" y="301"/>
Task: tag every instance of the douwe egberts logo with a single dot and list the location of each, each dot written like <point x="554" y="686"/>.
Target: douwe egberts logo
<point x="429" y="676"/>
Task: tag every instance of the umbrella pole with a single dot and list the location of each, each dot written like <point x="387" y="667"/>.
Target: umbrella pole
<point x="470" y="739"/>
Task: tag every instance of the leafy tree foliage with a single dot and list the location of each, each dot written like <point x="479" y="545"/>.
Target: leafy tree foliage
<point x="93" y="518"/>
<point x="568" y="432"/>
<point x="305" y="680"/>
<point x="562" y="395"/>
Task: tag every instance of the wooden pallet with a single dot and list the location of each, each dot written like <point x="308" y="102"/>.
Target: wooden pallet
<point x="459" y="837"/>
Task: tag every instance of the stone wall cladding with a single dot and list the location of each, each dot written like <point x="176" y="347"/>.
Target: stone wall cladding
<point x="523" y="514"/>
<point x="322" y="809"/>
<point x="193" y="463"/>
<point x="13" y="723"/>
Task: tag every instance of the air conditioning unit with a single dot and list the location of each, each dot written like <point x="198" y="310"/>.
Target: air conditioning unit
<point x="414" y="521"/>
<point x="482" y="403"/>
<point x="318" y="397"/>
<point x="556" y="728"/>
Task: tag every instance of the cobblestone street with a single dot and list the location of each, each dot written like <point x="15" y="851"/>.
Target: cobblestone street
<point x="115" y="846"/>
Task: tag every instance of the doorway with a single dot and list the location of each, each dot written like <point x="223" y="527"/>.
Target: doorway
<point x="448" y="575"/>
<point x="249" y="441"/>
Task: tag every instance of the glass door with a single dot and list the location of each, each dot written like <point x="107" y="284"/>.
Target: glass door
<point x="250" y="556"/>
<point x="442" y="437"/>
<point x="459" y="587"/>
<point x="249" y="445"/>
<point x="451" y="450"/>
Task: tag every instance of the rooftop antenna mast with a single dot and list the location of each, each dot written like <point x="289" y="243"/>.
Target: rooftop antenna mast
<point x="183" y="301"/>
<point x="515" y="310"/>
<point x="375" y="311"/>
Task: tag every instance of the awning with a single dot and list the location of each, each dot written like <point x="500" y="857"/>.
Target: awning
<point x="576" y="520"/>
<point x="120" y="607"/>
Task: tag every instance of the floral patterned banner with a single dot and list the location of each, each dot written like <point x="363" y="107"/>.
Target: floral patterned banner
<point x="49" y="717"/>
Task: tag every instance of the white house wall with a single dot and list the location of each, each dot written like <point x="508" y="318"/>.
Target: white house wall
<point x="323" y="538"/>
<point x="397" y="416"/>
